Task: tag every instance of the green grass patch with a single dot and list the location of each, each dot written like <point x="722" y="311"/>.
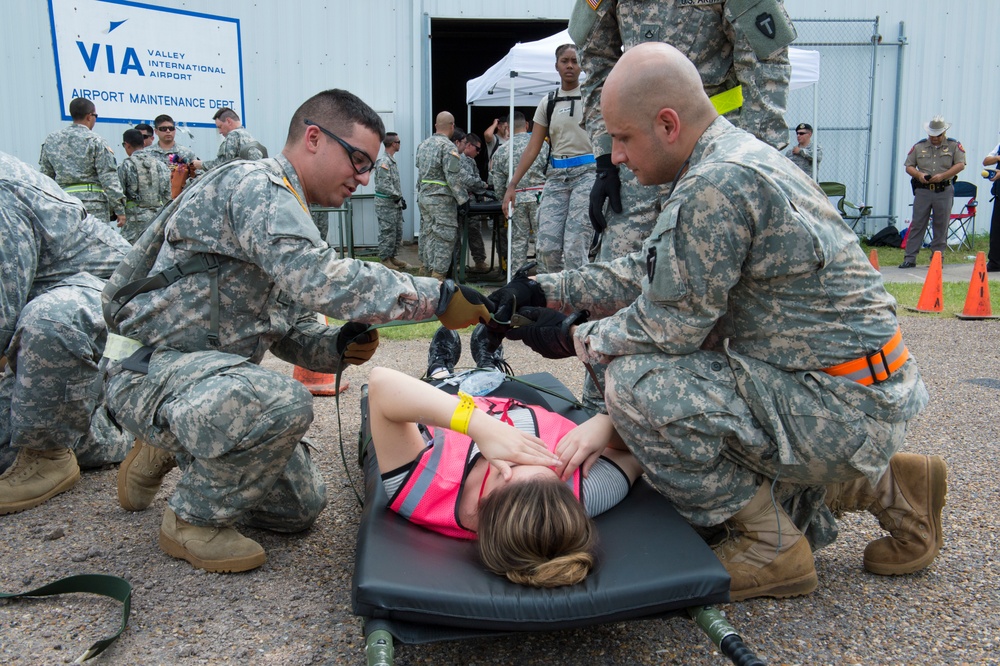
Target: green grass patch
<point x="907" y="294"/>
<point x="893" y="256"/>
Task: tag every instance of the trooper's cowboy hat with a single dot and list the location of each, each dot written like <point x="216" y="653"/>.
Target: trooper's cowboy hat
<point x="937" y="126"/>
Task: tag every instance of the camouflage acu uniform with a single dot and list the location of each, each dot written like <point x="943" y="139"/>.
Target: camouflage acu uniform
<point x="161" y="153"/>
<point x="388" y="195"/>
<point x="804" y="158"/>
<point x="236" y="426"/>
<point x="718" y="331"/>
<point x="232" y="146"/>
<point x="440" y="193"/>
<point x="704" y="31"/>
<point x="146" y="182"/>
<point x="523" y="222"/>
<point x="84" y="165"/>
<point x="475" y="186"/>
<point x="51" y="328"/>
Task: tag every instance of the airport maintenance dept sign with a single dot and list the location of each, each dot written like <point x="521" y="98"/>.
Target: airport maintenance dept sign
<point x="137" y="61"/>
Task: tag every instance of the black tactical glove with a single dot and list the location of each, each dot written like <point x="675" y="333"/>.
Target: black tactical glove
<point x="460" y="306"/>
<point x="356" y="342"/>
<point x="519" y="292"/>
<point x="402" y="203"/>
<point x="546" y="331"/>
<point x="607" y="187"/>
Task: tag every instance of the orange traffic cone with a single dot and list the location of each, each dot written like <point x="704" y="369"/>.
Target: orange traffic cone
<point x="319" y="383"/>
<point x="873" y="258"/>
<point x="932" y="295"/>
<point x="977" y="301"/>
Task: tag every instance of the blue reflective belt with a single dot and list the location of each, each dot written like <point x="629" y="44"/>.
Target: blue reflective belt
<point x="568" y="162"/>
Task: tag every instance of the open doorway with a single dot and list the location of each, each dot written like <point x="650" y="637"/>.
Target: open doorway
<point x="463" y="49"/>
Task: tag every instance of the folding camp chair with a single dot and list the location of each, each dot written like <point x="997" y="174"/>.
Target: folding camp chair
<point x="962" y="225"/>
<point x="852" y="213"/>
<point x="418" y="586"/>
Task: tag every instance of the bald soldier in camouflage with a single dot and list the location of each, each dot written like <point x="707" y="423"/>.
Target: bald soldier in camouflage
<point x="52" y="417"/>
<point x="743" y="66"/>
<point x="233" y="268"/>
<point x="83" y="164"/>
<point x="739" y="345"/>
<point x="525" y="205"/>
<point x="146" y="182"/>
<point x="440" y="193"/>
<point x="741" y="52"/>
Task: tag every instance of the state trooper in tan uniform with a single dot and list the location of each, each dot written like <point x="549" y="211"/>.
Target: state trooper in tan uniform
<point x="932" y="164"/>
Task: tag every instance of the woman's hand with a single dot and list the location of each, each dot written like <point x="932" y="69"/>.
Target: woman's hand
<point x="503" y="445"/>
<point x="583" y="445"/>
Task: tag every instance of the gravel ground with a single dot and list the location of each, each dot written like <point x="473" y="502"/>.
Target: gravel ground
<point x="296" y="608"/>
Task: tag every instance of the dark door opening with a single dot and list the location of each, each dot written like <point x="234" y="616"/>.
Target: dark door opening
<point x="464" y="49"/>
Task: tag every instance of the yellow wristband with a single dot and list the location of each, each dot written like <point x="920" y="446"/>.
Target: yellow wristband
<point x="463" y="413"/>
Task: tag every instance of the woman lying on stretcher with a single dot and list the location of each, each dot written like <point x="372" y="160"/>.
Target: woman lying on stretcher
<point x="499" y="481"/>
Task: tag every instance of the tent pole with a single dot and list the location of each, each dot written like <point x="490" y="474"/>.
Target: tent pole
<point x="510" y="171"/>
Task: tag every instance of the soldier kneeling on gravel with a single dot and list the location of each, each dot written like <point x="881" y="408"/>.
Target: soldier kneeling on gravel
<point x="755" y="366"/>
<point x="230" y="269"/>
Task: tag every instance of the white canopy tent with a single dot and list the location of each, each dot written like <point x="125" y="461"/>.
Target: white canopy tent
<point x="527" y="73"/>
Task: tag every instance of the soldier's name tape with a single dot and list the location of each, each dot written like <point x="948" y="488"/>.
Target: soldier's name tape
<point x="119" y="347"/>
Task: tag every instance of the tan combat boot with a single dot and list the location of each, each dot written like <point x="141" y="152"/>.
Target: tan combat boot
<point x="768" y="556"/>
<point x="388" y="264"/>
<point x="35" y="477"/>
<point x="907" y="501"/>
<point x="141" y="474"/>
<point x="481" y="267"/>
<point x="399" y="263"/>
<point x="438" y="276"/>
<point x="215" y="549"/>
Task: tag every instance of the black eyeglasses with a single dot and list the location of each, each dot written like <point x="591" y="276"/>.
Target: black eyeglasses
<point x="475" y="146"/>
<point x="147" y="136"/>
<point x="360" y="160"/>
<point x="165" y="128"/>
<point x="801" y="133"/>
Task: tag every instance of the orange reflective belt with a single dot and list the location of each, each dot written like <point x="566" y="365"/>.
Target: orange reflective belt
<point x="875" y="367"/>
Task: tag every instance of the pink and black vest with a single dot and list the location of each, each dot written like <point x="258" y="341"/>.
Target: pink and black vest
<point x="429" y="495"/>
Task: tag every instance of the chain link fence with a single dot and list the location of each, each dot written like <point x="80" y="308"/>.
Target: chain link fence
<point x="843" y="118"/>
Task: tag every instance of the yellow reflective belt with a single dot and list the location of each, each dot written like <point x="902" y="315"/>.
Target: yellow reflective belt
<point x="727" y="101"/>
<point x="82" y="187"/>
<point x="435" y="182"/>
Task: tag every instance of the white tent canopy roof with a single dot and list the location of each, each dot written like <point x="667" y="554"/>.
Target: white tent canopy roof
<point x="533" y="64"/>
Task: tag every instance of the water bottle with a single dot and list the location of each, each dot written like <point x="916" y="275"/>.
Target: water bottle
<point x="481" y="382"/>
<point x="989" y="174"/>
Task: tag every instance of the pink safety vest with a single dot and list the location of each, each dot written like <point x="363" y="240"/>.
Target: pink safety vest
<point x="429" y="495"/>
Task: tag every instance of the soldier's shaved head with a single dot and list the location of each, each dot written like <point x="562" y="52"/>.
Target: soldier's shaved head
<point x="444" y="123"/>
<point x="655" y="109"/>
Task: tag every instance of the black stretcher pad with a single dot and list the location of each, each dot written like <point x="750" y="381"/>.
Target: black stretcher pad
<point x="422" y="586"/>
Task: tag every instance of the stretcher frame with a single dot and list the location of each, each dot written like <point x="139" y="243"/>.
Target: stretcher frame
<point x="417" y="586"/>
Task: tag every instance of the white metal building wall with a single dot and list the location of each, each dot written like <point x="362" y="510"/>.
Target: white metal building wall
<point x="293" y="49"/>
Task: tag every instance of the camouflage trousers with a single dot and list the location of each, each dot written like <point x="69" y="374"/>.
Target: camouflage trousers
<point x="136" y="221"/>
<point x="236" y="429"/>
<point x="477" y="248"/>
<point x="390" y="227"/>
<point x="564" y="229"/>
<point x="438" y="231"/>
<point x="625" y="234"/>
<point x="522" y="225"/>
<point x="710" y="427"/>
<point x="51" y="393"/>
<point x="96" y="204"/>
